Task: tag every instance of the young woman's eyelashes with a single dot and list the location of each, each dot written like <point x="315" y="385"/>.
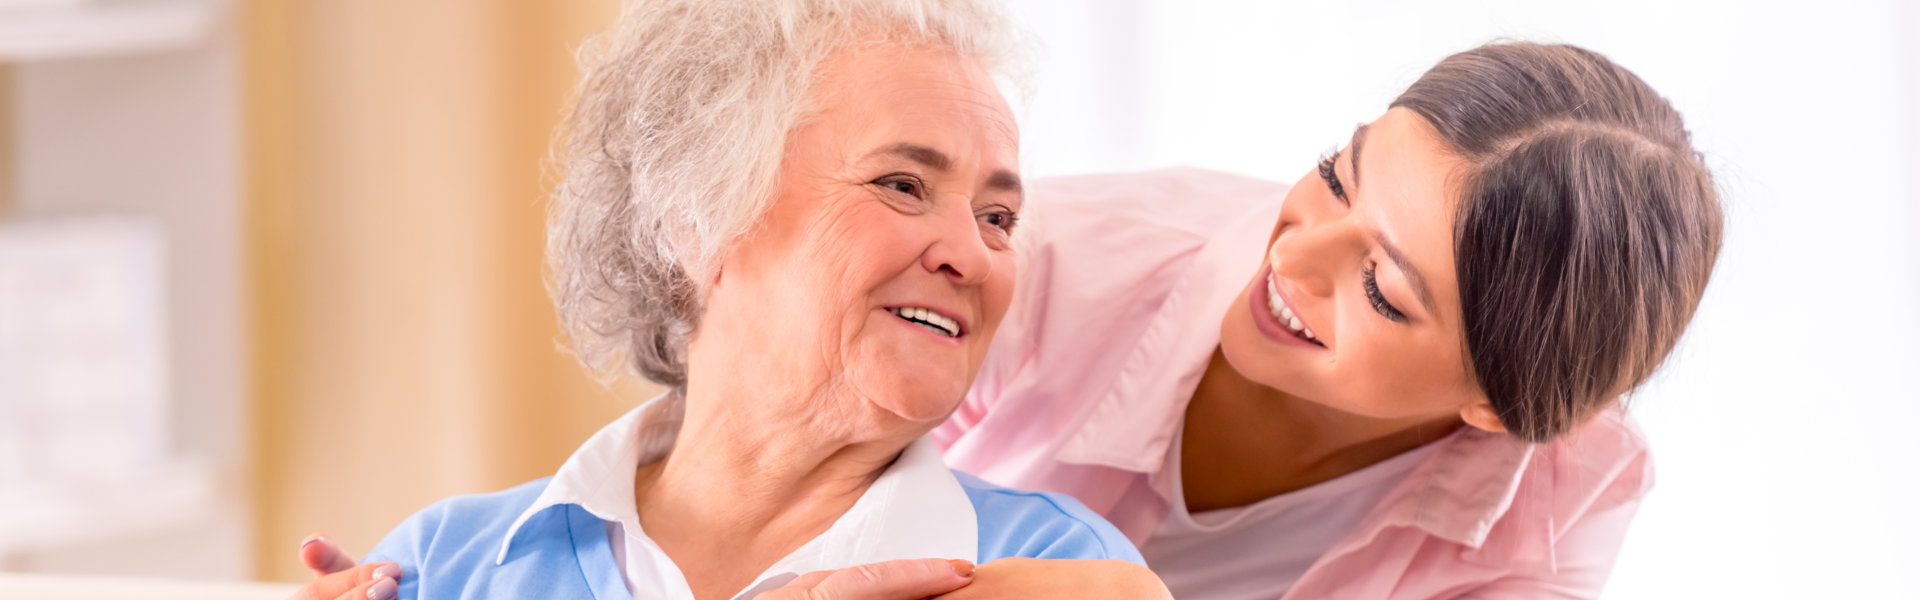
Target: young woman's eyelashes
<point x="1332" y="178"/>
<point x="1368" y="281"/>
<point x="1371" y="286"/>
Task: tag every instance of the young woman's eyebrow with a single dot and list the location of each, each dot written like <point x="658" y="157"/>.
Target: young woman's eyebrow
<point x="1406" y="266"/>
<point x="1353" y="145"/>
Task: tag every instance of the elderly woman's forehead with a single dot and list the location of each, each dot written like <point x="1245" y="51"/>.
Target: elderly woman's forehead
<point x="910" y="65"/>
<point x="910" y="89"/>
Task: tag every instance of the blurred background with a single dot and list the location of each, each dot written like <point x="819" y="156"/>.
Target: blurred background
<point x="270" y="267"/>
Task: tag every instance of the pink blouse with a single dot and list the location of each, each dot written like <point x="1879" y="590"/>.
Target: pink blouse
<point x="1123" y="283"/>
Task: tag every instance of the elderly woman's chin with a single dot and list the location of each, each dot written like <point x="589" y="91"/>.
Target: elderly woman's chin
<point x="914" y="385"/>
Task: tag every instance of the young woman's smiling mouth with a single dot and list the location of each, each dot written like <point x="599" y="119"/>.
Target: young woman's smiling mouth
<point x="1275" y="316"/>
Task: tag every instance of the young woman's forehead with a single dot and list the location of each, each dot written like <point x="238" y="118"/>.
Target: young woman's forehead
<point x="1406" y="190"/>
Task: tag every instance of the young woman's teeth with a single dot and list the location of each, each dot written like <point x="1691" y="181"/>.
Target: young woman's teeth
<point x="928" y="319"/>
<point x="1283" y="314"/>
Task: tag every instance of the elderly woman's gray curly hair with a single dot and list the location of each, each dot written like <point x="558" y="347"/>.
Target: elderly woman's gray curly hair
<point x="674" y="144"/>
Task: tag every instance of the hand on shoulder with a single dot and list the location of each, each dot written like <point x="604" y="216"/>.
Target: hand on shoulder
<point x="1057" y="578"/>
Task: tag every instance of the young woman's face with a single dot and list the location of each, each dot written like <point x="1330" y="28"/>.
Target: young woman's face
<point x="1356" y="306"/>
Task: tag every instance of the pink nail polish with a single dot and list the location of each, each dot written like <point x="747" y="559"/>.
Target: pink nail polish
<point x="384" y="589"/>
<point x="387" y="571"/>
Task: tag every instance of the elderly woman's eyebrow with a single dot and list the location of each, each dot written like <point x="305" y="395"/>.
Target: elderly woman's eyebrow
<point x="1000" y="179"/>
<point x="1004" y="180"/>
<point x="933" y="159"/>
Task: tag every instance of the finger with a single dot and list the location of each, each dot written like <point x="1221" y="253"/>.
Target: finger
<point x="893" y="580"/>
<point x="807" y="581"/>
<point x="384" y="588"/>
<point x="323" y="556"/>
<point x="333" y="585"/>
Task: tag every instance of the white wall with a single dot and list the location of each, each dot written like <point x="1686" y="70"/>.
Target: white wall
<point x="1782" y="428"/>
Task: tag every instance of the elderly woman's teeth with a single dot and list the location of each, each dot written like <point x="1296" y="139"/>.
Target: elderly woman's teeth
<point x="929" y="319"/>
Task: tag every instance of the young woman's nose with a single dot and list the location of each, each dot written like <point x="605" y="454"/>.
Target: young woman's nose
<point x="1311" y="256"/>
<point x="957" y="249"/>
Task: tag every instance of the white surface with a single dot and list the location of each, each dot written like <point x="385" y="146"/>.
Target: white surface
<point x="66" y="587"/>
<point x="1782" y="428"/>
<point x="40" y="30"/>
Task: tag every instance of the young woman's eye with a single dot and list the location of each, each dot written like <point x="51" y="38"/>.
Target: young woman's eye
<point x="1332" y="178"/>
<point x="1375" y="298"/>
<point x="1001" y="219"/>
<point x="905" y="184"/>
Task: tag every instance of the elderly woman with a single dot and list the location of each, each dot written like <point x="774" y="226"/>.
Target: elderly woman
<point x="798" y="216"/>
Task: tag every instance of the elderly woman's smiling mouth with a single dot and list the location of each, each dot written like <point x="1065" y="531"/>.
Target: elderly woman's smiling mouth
<point x="935" y="321"/>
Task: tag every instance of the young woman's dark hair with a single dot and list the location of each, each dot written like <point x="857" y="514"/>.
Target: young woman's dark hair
<point x="1586" y="229"/>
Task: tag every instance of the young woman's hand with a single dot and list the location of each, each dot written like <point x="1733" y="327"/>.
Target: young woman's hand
<point x="891" y="580"/>
<point x="336" y="577"/>
<point x="1056" y="578"/>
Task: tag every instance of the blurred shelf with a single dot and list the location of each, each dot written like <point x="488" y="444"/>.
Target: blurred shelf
<point x="93" y="28"/>
<point x="38" y="516"/>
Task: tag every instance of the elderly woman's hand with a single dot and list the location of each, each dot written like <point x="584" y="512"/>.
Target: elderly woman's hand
<point x="891" y="580"/>
<point x="1056" y="578"/>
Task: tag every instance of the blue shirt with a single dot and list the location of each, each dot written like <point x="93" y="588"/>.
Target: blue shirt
<point x="550" y="538"/>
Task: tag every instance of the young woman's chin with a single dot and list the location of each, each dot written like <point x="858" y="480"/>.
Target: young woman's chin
<point x="1289" y="368"/>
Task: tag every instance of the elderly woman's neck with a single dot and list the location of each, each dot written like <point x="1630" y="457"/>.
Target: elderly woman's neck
<point x="750" y="479"/>
<point x="754" y="452"/>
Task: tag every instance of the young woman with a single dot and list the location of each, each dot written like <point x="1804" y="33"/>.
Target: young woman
<point x="1399" y="382"/>
<point x="1397" y="378"/>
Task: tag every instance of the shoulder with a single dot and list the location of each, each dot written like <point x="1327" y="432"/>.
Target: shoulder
<point x="1144" y="218"/>
<point x="1020" y="523"/>
<point x="460" y="523"/>
<point x="1181" y="197"/>
<point x="1104" y="252"/>
<point x="1604" y="464"/>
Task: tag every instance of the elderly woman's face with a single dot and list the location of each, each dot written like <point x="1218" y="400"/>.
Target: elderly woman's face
<point x="886" y="262"/>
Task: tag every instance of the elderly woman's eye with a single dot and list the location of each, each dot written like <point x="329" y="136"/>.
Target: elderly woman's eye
<point x="1004" y="219"/>
<point x="903" y="184"/>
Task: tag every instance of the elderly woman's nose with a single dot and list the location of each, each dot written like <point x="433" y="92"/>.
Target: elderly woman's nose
<point x="958" y="250"/>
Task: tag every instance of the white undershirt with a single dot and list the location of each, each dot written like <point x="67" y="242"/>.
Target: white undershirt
<point x="1260" y="550"/>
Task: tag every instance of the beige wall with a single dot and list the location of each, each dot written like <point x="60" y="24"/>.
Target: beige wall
<point x="405" y="349"/>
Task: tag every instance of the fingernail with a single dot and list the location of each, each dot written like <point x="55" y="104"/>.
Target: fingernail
<point x="389" y="570"/>
<point x="964" y="568"/>
<point x="311" y="539"/>
<point x="384" y="589"/>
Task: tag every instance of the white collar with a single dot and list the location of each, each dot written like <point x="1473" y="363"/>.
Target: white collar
<point x="916" y="509"/>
